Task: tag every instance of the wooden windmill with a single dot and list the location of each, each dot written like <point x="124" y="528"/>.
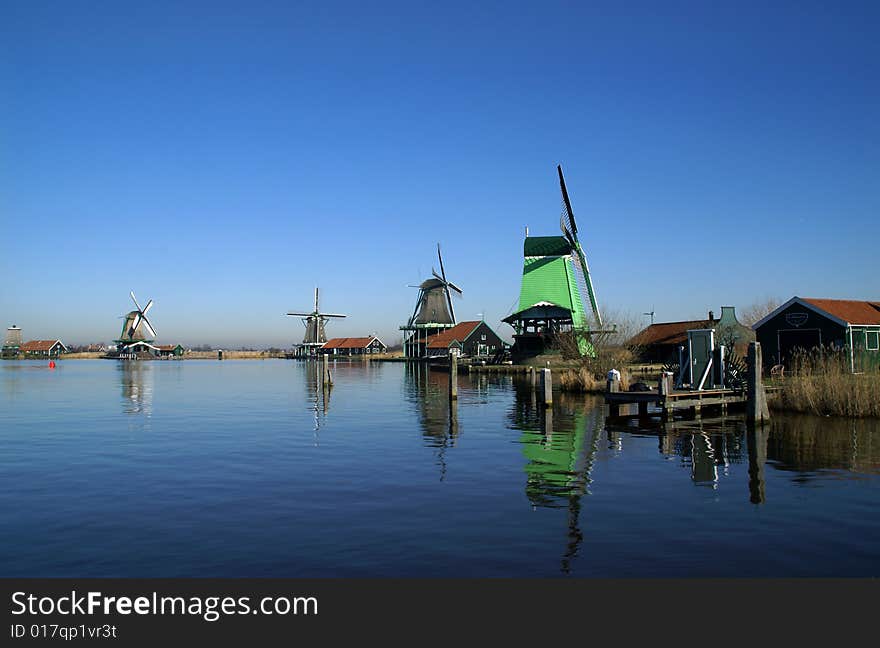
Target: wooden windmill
<point x="433" y="311"/>
<point x="556" y="288"/>
<point x="315" y="322"/>
<point x="137" y="335"/>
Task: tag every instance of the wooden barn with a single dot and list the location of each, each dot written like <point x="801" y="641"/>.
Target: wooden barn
<point x="43" y="348"/>
<point x="353" y="346"/>
<point x="806" y="322"/>
<point x="470" y="339"/>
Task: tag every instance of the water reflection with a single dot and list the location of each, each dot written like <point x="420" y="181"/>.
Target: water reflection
<point x="560" y="445"/>
<point x="809" y="444"/>
<point x="317" y="396"/>
<point x="136" y="378"/>
<point x="428" y="390"/>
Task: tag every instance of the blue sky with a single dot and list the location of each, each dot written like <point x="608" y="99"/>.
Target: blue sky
<point x="224" y="158"/>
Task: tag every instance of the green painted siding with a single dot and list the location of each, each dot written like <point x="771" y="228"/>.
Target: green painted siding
<point x="552" y="279"/>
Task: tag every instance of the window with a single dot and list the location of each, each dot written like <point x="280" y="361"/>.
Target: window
<point x="483" y="337"/>
<point x="872" y="340"/>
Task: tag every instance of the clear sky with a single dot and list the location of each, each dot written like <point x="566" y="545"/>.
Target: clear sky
<point x="224" y="158"/>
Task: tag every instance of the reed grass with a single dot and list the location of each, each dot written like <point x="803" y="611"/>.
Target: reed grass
<point x="820" y="382"/>
<point x="587" y="381"/>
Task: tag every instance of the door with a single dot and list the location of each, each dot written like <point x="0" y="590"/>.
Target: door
<point x="701" y="343"/>
<point x="792" y="340"/>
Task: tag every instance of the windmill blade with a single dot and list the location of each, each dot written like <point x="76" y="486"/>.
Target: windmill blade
<point x="331" y="315"/>
<point x="147" y="307"/>
<point x="572" y="225"/>
<point x="149" y="327"/>
<point x="301" y="314"/>
<point x="454" y="287"/>
<point x="449" y="301"/>
<point x="438" y="277"/>
<point x="569" y="229"/>
<point x="131" y="292"/>
<point x="316" y="299"/>
<point x="134" y="324"/>
<point x="440" y="256"/>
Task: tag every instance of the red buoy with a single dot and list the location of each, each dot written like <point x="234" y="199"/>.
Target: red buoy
<point x="51" y="364"/>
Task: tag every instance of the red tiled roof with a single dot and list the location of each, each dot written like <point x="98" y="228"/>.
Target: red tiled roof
<point x="849" y="310"/>
<point x="39" y="345"/>
<point x="348" y="343"/>
<point x="458" y="332"/>
<point x="668" y="332"/>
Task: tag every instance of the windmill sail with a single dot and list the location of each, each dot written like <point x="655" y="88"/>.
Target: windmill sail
<point x="569" y="230"/>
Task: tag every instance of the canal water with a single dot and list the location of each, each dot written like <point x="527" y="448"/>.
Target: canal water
<point x="245" y="468"/>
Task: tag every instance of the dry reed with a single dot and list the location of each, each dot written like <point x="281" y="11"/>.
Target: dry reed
<point x="820" y="382"/>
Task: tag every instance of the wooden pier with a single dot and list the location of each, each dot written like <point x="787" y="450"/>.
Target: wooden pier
<point x="693" y="401"/>
<point x="675" y="401"/>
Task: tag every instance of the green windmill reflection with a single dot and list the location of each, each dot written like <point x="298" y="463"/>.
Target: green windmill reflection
<point x="560" y="446"/>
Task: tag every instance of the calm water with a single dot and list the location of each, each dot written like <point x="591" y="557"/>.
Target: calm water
<point x="242" y="468"/>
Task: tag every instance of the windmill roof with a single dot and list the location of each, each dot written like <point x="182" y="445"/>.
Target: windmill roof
<point x="546" y="246"/>
<point x="668" y="332"/>
<point x="460" y="332"/>
<point x="40" y="345"/>
<point x="349" y="342"/>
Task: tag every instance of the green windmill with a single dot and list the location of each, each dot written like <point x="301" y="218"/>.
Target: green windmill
<point x="555" y="286"/>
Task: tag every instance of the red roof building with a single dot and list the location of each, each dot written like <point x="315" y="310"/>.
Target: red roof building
<point x="43" y="348"/>
<point x="473" y="339"/>
<point x="353" y="346"/>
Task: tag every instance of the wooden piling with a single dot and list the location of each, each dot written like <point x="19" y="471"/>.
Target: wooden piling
<point x="453" y="377"/>
<point x="326" y="377"/>
<point x="533" y="377"/>
<point x="612" y="386"/>
<point x="757" y="412"/>
<point x="547" y="386"/>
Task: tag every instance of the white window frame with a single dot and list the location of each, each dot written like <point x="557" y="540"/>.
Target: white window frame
<point x="870" y="348"/>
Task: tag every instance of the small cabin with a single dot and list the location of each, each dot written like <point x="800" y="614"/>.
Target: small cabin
<point x="805" y="323"/>
<point x="43" y="348"/>
<point x="470" y="339"/>
<point x="170" y="350"/>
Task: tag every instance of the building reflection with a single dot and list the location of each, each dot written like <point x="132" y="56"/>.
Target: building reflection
<point x="317" y="397"/>
<point x="136" y="379"/>
<point x="560" y="445"/>
<point x="809" y="444"/>
<point x="428" y="391"/>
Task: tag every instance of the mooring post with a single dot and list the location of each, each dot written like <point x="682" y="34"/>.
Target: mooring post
<point x="533" y="377"/>
<point x="220" y="354"/>
<point x="547" y="386"/>
<point x="757" y="412"/>
<point x="664" y="389"/>
<point x="612" y="386"/>
<point x="326" y="378"/>
<point x="757" y="446"/>
<point x="453" y="377"/>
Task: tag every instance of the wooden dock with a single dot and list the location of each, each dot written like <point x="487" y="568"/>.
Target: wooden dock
<point x="676" y="401"/>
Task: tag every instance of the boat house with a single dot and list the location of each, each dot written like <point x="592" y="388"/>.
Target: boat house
<point x="805" y="323"/>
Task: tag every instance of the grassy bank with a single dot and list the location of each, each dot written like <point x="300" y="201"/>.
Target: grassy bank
<point x="821" y="383"/>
